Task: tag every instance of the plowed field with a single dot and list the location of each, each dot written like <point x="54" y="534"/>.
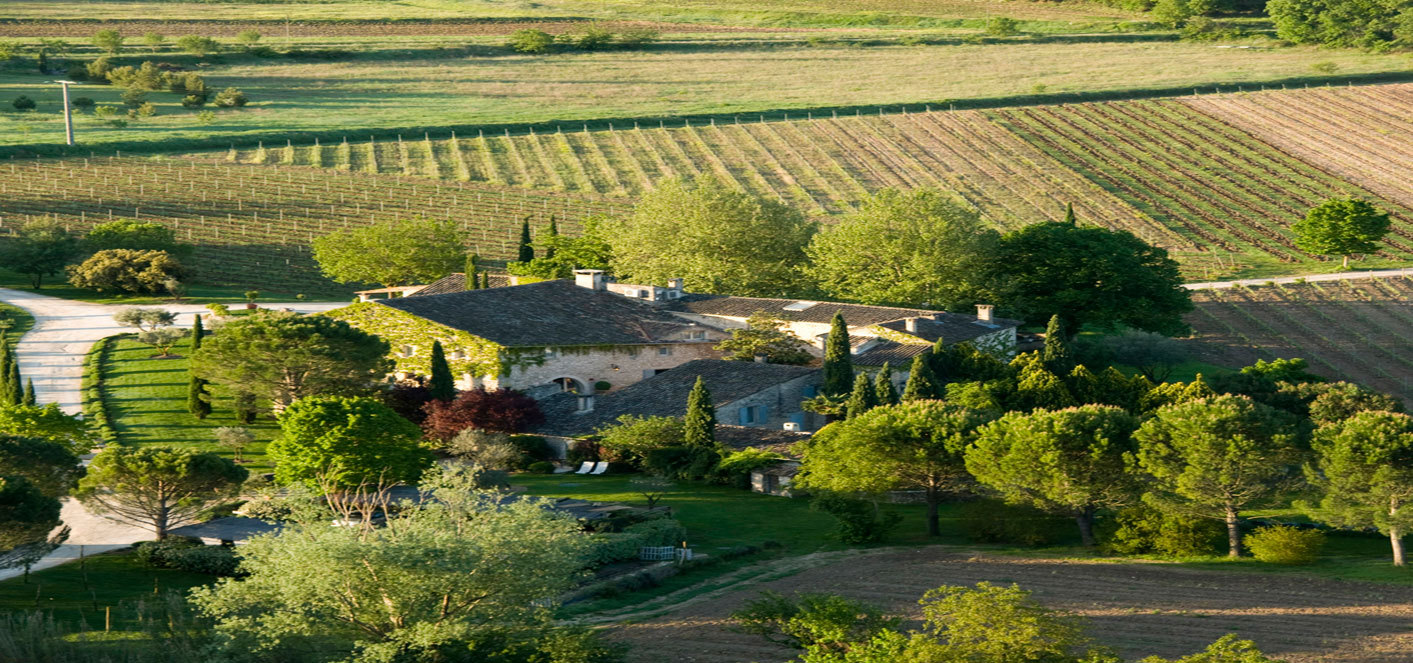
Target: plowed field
<point x="1139" y="609"/>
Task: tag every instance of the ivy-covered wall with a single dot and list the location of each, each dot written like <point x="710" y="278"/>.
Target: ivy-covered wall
<point x="480" y="357"/>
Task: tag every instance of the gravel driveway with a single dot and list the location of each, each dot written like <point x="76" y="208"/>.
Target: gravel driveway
<point x="51" y="354"/>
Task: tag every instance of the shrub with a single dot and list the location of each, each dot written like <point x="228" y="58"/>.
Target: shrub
<point x="860" y="521"/>
<point x="530" y="41"/>
<point x="625" y="545"/>
<point x="541" y="467"/>
<point x="631" y="437"/>
<point x="23" y="103"/>
<point x="210" y="560"/>
<point x="498" y="410"/>
<point x="1144" y="530"/>
<point x="198" y="45"/>
<point x="193" y="101"/>
<point x="77" y="71"/>
<point x="133" y="97"/>
<point x="97" y="70"/>
<point x="82" y="103"/>
<point x="1000" y="26"/>
<point x="993" y="522"/>
<point x="735" y="469"/>
<point x="581" y="451"/>
<point x="602" y="385"/>
<point x="667" y="461"/>
<point x="230" y="98"/>
<point x="1282" y="544"/>
<point x="126" y="270"/>
<point x="487" y="449"/>
<point x="591" y="38"/>
<point x="819" y="622"/>
<point x="158" y="554"/>
<point x="147" y="109"/>
<point x="533" y="448"/>
<point x="637" y="37"/>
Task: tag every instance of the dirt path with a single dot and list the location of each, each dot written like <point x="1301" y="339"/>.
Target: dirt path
<point x="1341" y="276"/>
<point x="51" y="354"/>
<point x="1139" y="609"/>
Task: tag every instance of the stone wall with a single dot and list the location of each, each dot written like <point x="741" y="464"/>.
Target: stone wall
<point x="619" y="367"/>
<point x="781" y="403"/>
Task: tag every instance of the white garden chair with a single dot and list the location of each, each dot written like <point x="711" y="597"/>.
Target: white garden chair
<point x="585" y="468"/>
<point x="600" y="468"/>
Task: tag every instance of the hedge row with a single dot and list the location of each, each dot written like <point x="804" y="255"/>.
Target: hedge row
<point x="620" y="546"/>
<point x="95" y="403"/>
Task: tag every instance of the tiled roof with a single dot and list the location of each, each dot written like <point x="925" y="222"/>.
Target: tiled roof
<point x="665" y="394"/>
<point x="742" y="307"/>
<point x="545" y="314"/>
<point x="778" y="440"/>
<point x="456" y="282"/>
<point x="898" y="356"/>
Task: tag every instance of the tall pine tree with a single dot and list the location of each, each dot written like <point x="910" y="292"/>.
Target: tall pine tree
<point x="883" y="387"/>
<point x="473" y="271"/>
<point x="838" y="376"/>
<point x="15" y="383"/>
<point x="527" y="250"/>
<point x="30" y="398"/>
<point x="1069" y="213"/>
<point x="7" y="358"/>
<point x="443" y="385"/>
<point x="862" y="399"/>
<point x="1057" y="355"/>
<point x="922" y="384"/>
<point x="485" y="280"/>
<point x="700" y="422"/>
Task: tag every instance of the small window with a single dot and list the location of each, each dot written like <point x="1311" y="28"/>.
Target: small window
<point x="643" y="293"/>
<point x="699" y="335"/>
<point x="551" y="353"/>
<point x="673" y="294"/>
<point x="634" y="352"/>
<point x="407" y="351"/>
<point x="747" y="415"/>
<point x="664" y="352"/>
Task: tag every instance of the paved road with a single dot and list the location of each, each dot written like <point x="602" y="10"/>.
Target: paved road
<point x="1338" y="276"/>
<point x="52" y="355"/>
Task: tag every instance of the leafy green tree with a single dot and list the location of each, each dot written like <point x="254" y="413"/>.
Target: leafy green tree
<point x="916" y="445"/>
<point x="157" y="488"/>
<point x="1038" y="388"/>
<point x="995" y="624"/>
<point x="42" y="248"/>
<point x="765" y="336"/>
<point x="346" y="442"/>
<point x="1215" y="457"/>
<point x="883" y="387"/>
<point x="7" y="359"/>
<point x="247" y="38"/>
<point x="921" y="384"/>
<point x="699" y="426"/>
<point x="717" y="238"/>
<point x="108" y="41"/>
<point x="135" y="235"/>
<point x="282" y="356"/>
<point x="398" y="252"/>
<point x="1070" y="462"/>
<point x="1341" y="226"/>
<point x="52" y="467"/>
<point x="862" y="398"/>
<point x="27" y="515"/>
<point x="198" y="402"/>
<point x="1154" y="355"/>
<point x="463" y="577"/>
<point x="530" y="41"/>
<point x="153" y="41"/>
<point x="144" y="319"/>
<point x="563" y="254"/>
<point x="162" y="339"/>
<point x="1341" y="400"/>
<point x="442" y="385"/>
<point x="46" y="422"/>
<point x="631" y="437"/>
<point x="1058" y="356"/>
<point x="1377" y="24"/>
<point x="916" y="248"/>
<point x="1363" y="469"/>
<point x="1089" y="277"/>
<point x="198" y="45"/>
<point x="838" y="376"/>
<point x="127" y="271"/>
<point x="1228" y="649"/>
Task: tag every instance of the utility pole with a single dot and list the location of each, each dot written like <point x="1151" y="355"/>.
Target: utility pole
<point x="68" y="114"/>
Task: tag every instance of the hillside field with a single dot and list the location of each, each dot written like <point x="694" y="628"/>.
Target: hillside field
<point x="1357" y="330"/>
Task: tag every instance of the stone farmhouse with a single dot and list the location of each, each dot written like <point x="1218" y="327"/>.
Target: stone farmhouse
<point x="593" y="334"/>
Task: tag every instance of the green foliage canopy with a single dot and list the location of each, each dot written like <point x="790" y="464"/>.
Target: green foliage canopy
<point x="156" y="487"/>
<point x="397" y="252"/>
<point x="345" y="442"/>
<point x="42" y="248"/>
<point x="127" y="270"/>
<point x="765" y="336"/>
<point x="1341" y="226"/>
<point x="52" y="467"/>
<point x="1363" y="469"/>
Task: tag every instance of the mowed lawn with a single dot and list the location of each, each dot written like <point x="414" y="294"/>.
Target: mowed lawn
<point x="80" y="593"/>
<point x="388" y="90"/>
<point x="147" y="398"/>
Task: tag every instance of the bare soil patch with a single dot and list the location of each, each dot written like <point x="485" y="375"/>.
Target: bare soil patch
<point x="26" y="28"/>
<point x="1139" y="609"/>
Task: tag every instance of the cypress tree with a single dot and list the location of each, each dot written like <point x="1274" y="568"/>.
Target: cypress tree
<point x="838" y="362"/>
<point x="922" y="384"/>
<point x="15" y="384"/>
<point x="473" y="271"/>
<point x="198" y="330"/>
<point x="29" y="397"/>
<point x="527" y="250"/>
<point x="1069" y="213"/>
<point x="941" y="360"/>
<point x="198" y="402"/>
<point x="485" y="280"/>
<point x="443" y="385"/>
<point x="6" y="360"/>
<point x="1057" y="355"/>
<point x="700" y="422"/>
<point x="883" y="388"/>
<point x="862" y="399"/>
<point x="550" y="234"/>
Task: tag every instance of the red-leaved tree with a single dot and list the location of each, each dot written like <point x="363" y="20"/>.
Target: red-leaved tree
<point x="499" y="411"/>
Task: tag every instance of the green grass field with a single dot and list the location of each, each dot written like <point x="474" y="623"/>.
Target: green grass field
<point x="196" y="294"/>
<point x="79" y="593"/>
<point x="14" y="322"/>
<point x="387" y="90"/>
<point x="147" y="398"/>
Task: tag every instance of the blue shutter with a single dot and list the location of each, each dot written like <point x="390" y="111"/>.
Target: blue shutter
<point x="764" y="415"/>
<point x="811" y="391"/>
<point x="743" y="415"/>
<point x="798" y="417"/>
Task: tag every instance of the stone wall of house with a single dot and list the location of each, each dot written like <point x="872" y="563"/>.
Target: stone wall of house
<point x="619" y="367"/>
<point x="781" y="403"/>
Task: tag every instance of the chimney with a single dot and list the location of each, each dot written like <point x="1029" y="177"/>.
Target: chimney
<point x="910" y="324"/>
<point x="675" y="284"/>
<point x="592" y="279"/>
<point x="586" y="403"/>
<point x="792" y="426"/>
<point x="760" y="359"/>
<point x="983" y="312"/>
